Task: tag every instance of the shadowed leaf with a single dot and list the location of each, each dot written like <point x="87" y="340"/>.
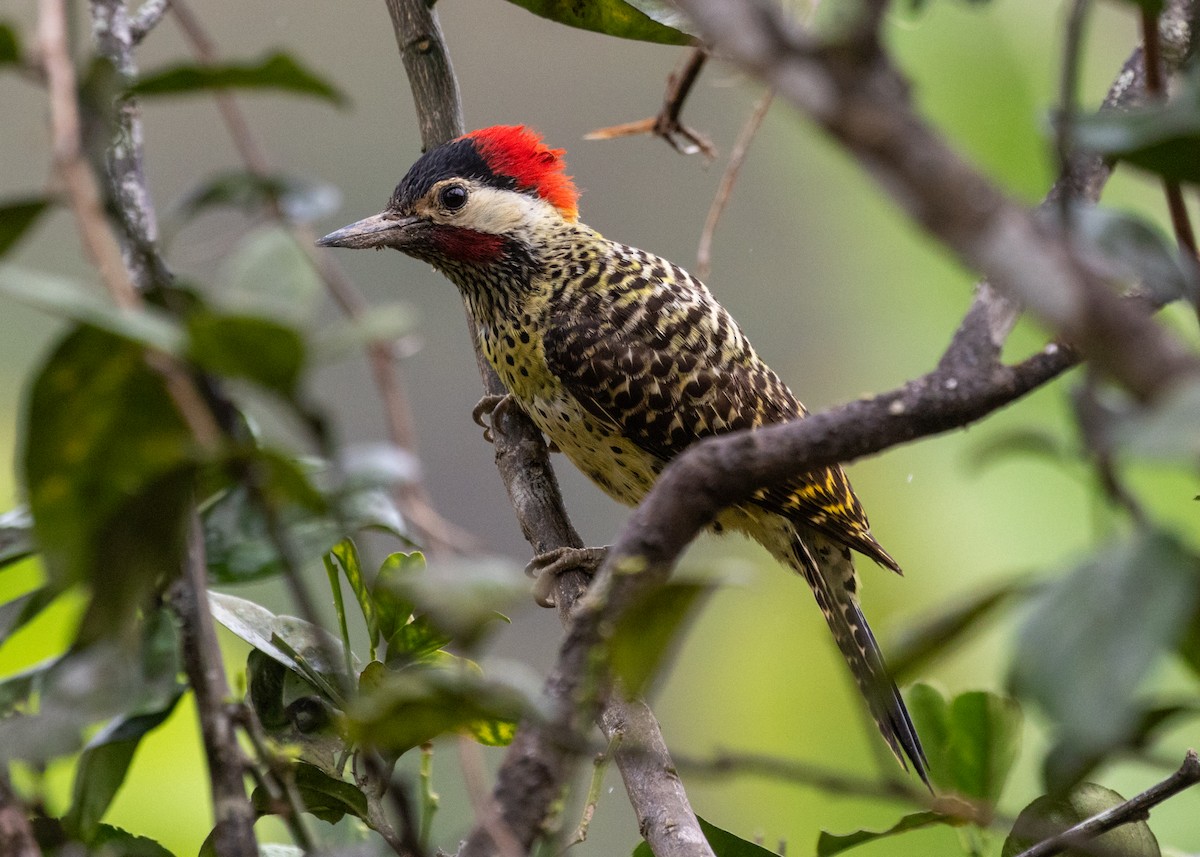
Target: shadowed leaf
<point x="300" y="200"/>
<point x="10" y="45"/>
<point x="645" y="633"/>
<point x="279" y="71"/>
<point x="328" y="798"/>
<point x="641" y="19"/>
<point x="258" y="350"/>
<point x="829" y="844"/>
<point x="1048" y="816"/>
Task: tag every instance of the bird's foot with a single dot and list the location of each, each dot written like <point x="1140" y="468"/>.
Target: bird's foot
<point x="491" y="407"/>
<point x="546" y="567"/>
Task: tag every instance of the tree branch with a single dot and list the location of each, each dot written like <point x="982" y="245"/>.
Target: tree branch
<point x="1135" y="809"/>
<point x="16" y="833"/>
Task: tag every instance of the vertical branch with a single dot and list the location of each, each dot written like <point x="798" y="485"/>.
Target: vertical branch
<point x="233" y="833"/>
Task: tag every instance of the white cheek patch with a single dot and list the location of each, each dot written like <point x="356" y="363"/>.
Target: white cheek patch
<point x="503" y="212"/>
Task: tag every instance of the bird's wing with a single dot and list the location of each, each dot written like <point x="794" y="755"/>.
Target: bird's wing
<point x="662" y="361"/>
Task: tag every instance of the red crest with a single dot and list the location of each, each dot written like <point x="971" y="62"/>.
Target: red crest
<point x="519" y="153"/>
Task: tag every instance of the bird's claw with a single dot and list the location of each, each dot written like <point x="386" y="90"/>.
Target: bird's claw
<point x="546" y="567"/>
<point x="491" y="407"/>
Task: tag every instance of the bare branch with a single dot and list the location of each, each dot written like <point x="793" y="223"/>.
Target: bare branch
<point x="16" y="834"/>
<point x="1135" y="809"/>
<point x="147" y="18"/>
<point x="860" y="99"/>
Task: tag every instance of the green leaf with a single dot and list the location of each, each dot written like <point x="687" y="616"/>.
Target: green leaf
<point x="419" y="640"/>
<point x="279" y="71"/>
<point x="940" y="634"/>
<point x="635" y="20"/>
<point x="1138" y="251"/>
<point x="16" y="535"/>
<point x="971" y="741"/>
<point x="722" y="842"/>
<point x="300" y="200"/>
<point x="1161" y="138"/>
<point x="295" y="713"/>
<point x="1154" y="7"/>
<point x="17" y="216"/>
<point x="492" y="733"/>
<point x="346" y="556"/>
<point x="829" y="844"/>
<point x="109" y="468"/>
<point x="393" y="609"/>
<point x="1164" y="431"/>
<point x="19" y="611"/>
<point x="327" y="797"/>
<point x="105" y="761"/>
<point x="405" y="708"/>
<point x="1093" y="636"/>
<point x="10" y="45"/>
<point x="109" y="840"/>
<point x="460" y="598"/>
<point x="1048" y="816"/>
<point x="311" y="652"/>
<point x="259" y="350"/>
<point x="645" y="633"/>
<point x="65" y="298"/>
<point x="269" y="274"/>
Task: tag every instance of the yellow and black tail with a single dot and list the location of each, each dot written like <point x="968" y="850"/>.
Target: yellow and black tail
<point x="829" y="570"/>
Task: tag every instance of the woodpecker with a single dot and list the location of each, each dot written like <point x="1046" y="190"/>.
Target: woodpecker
<point x="623" y="359"/>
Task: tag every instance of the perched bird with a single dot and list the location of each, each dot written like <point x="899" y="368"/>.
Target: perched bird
<point x="623" y="359"/>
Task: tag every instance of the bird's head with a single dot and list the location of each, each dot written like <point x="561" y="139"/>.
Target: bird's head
<point x="473" y="201"/>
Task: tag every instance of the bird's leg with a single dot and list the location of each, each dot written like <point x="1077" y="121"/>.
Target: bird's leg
<point x="546" y="567"/>
<point x="491" y="407"/>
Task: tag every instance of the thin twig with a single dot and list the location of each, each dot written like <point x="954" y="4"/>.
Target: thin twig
<point x="276" y="778"/>
<point x="1135" y="809"/>
<point x="1068" y="87"/>
<point x="595" y="786"/>
<point x="487" y="817"/>
<point x="435" y="532"/>
<point x="737" y="157"/>
<point x="147" y="18"/>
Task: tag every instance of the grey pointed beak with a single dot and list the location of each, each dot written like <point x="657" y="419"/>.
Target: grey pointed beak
<point x="378" y="230"/>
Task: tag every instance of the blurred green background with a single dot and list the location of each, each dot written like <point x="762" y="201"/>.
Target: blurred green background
<point x="838" y="292"/>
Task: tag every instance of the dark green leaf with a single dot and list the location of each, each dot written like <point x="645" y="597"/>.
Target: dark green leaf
<point x="10" y="45"/>
<point x="613" y="17"/>
<point x="1138" y="251"/>
<point x="1162" y="138"/>
<point x="1165" y="431"/>
<point x="1154" y="7"/>
<point x="327" y="797"/>
<point x="103" y="764"/>
<point x="16" y="535"/>
<point x="294" y="713"/>
<point x="829" y="844"/>
<point x="1091" y="639"/>
<point x="109" y="466"/>
<point x="18" y="687"/>
<point x="109" y="841"/>
<point x="971" y="741"/>
<point x="419" y="640"/>
<point x="17" y="215"/>
<point x="1048" y="816"/>
<point x="722" y="842"/>
<point x="245" y="347"/>
<point x="300" y="200"/>
<point x="64" y="298"/>
<point x="645" y="633"/>
<point x="278" y="71"/>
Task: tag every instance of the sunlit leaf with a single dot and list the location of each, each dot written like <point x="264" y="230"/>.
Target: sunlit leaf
<point x="1048" y="816"/>
<point x="346" y="556"/>
<point x="492" y="733"/>
<point x="254" y="349"/>
<point x="113" y="840"/>
<point x="17" y="216"/>
<point x="971" y="741"/>
<point x="300" y="200"/>
<point x="615" y="18"/>
<point x="65" y="298"/>
<point x="829" y="844"/>
<point x="18" y="612"/>
<point x="1093" y="636"/>
<point x="108" y="466"/>
<point x="279" y="71"/>
<point x="645" y="633"/>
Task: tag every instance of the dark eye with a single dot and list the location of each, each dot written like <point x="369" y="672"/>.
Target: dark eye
<point x="453" y="197"/>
